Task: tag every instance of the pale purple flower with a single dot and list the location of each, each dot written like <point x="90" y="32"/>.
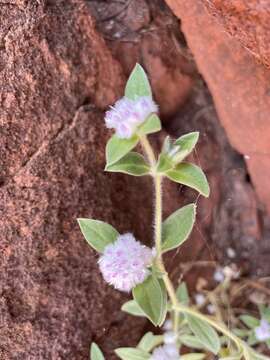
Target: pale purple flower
<point x="126" y="115"/>
<point x="199" y="299"/>
<point x="165" y="352"/>
<point x="170" y="337"/>
<point x="262" y="332"/>
<point x="168" y="325"/>
<point x="219" y="275"/>
<point x="124" y="263"/>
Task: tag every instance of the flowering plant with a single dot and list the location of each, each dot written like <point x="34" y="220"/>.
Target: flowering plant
<point x="132" y="267"/>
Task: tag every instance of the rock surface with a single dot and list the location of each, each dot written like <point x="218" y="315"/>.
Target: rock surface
<point x="239" y="86"/>
<point x="56" y="73"/>
<point x="247" y="21"/>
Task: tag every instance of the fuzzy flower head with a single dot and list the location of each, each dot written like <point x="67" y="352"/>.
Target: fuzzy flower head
<point x="262" y="332"/>
<point x="124" y="263"/>
<point x="165" y="352"/>
<point x="126" y="115"/>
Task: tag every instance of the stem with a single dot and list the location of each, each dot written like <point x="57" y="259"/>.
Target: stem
<point x="177" y="307"/>
<point x="221" y="328"/>
<point x="148" y="150"/>
<point x="157" y="178"/>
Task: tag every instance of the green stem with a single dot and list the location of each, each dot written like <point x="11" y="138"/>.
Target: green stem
<point x="177" y="307"/>
<point x="157" y="178"/>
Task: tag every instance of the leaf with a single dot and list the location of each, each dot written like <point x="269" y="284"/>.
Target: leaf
<point x="177" y="227"/>
<point x="132" y="164"/>
<point x="150" y="297"/>
<point x="132" y="354"/>
<point x="187" y="143"/>
<point x="164" y="163"/>
<point x="190" y="175"/>
<point x="193" y="356"/>
<point x="97" y="233"/>
<point x="250" y="321"/>
<point x="117" y="148"/>
<point x="151" y="125"/>
<point x="137" y="84"/>
<point x="182" y="294"/>
<point x="164" y="307"/>
<point x="191" y="341"/>
<point x="240" y="332"/>
<point x="149" y="341"/>
<point x="95" y="353"/>
<point x="265" y="312"/>
<point x="204" y="333"/>
<point x="252" y="340"/>
<point x="132" y="308"/>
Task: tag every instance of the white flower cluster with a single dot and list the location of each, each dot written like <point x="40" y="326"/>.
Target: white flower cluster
<point x="126" y="115"/>
<point x="124" y="263"/>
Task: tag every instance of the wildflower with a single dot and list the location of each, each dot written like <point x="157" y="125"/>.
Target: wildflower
<point x="126" y="115"/>
<point x="199" y="299"/>
<point x="170" y="337"/>
<point x="231" y="253"/>
<point x="211" y="308"/>
<point x="165" y="352"/>
<point x="124" y="263"/>
<point x="262" y="332"/>
<point x="219" y="275"/>
<point x="168" y="325"/>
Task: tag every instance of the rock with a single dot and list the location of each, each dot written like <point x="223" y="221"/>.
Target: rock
<point x="240" y="88"/>
<point x="57" y="74"/>
<point x="247" y="21"/>
<point x="157" y="46"/>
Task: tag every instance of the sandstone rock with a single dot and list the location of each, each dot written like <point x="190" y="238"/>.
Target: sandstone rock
<point x="247" y="21"/>
<point x="240" y="88"/>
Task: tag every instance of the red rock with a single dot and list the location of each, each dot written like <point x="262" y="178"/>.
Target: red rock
<point x="247" y="21"/>
<point x="240" y="88"/>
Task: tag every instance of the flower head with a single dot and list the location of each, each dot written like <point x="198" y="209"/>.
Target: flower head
<point x="165" y="352"/>
<point x="262" y="332"/>
<point x="126" y="115"/>
<point x="124" y="263"/>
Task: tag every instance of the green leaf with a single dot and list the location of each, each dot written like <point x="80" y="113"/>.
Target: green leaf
<point x="137" y="84"/>
<point x="97" y="233"/>
<point x="151" y="299"/>
<point x="240" y="332"/>
<point x="193" y="356"/>
<point x="149" y="341"/>
<point x="250" y="321"/>
<point x="132" y="164"/>
<point x="265" y="312"/>
<point x="204" y="333"/>
<point x="151" y="125"/>
<point x="252" y="340"/>
<point x="190" y="175"/>
<point x="187" y="143"/>
<point x="177" y="227"/>
<point x="182" y="294"/>
<point x="132" y="354"/>
<point x="164" y="307"/>
<point x="132" y="308"/>
<point x="191" y="341"/>
<point x="164" y="163"/>
<point x="95" y="353"/>
<point x="117" y="148"/>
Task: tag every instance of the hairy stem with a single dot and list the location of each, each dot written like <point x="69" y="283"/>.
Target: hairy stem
<point x="177" y="307"/>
